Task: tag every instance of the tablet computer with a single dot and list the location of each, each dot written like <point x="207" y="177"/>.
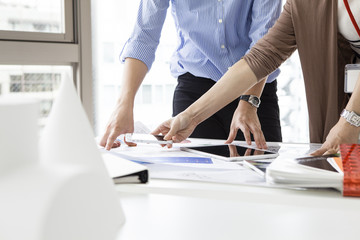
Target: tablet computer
<point x="320" y="162"/>
<point x="231" y="152"/>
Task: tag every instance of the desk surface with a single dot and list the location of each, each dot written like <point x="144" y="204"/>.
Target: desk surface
<point x="175" y="209"/>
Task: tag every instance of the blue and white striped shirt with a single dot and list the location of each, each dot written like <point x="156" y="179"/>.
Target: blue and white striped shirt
<point x="212" y="34"/>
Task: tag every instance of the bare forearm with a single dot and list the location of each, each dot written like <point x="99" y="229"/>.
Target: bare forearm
<point x="236" y="81"/>
<point x="256" y="89"/>
<point x="134" y="73"/>
<point x="343" y="131"/>
<point x="354" y="103"/>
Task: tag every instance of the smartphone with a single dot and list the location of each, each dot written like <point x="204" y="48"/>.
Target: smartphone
<point x="146" y="138"/>
<point x="352" y="73"/>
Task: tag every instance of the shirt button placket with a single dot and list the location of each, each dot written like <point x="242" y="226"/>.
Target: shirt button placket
<point x="221" y="27"/>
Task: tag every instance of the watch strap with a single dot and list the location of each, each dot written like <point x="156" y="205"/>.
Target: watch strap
<point x="251" y="99"/>
<point x="245" y="97"/>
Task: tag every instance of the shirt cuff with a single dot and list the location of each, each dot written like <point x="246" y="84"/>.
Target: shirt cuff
<point x="140" y="51"/>
<point x="272" y="76"/>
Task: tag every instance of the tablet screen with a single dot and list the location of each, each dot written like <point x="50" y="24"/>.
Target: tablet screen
<point x="232" y="151"/>
<point x="317" y="162"/>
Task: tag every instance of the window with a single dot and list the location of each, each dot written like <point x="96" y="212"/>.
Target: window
<point x="108" y="52"/>
<point x="43" y="42"/>
<point x="40" y="82"/>
<point x="292" y="101"/>
<point x="37" y="20"/>
<point x="35" y="82"/>
<point x="32" y="16"/>
<point x="114" y="22"/>
<point x="158" y="94"/>
<point x="146" y="94"/>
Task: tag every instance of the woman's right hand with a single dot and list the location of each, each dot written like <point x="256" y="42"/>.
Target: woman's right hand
<point x="177" y="128"/>
<point x="121" y="122"/>
<point x="342" y="132"/>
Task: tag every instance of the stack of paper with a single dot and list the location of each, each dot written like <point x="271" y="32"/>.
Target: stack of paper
<point x="308" y="172"/>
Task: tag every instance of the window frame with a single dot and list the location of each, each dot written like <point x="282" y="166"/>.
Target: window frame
<point x="77" y="53"/>
<point x="68" y="36"/>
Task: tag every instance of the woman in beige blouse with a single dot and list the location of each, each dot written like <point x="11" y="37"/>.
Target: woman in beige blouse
<point x="312" y="28"/>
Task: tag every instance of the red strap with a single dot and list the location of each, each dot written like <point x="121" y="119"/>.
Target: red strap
<point x="352" y="17"/>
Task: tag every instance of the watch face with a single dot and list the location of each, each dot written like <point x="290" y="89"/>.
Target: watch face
<point x="254" y="101"/>
<point x="355" y="120"/>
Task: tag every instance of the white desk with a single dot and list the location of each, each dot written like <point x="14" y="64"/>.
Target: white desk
<point x="174" y="209"/>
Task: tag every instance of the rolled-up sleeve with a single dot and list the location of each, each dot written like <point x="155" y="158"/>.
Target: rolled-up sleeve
<point x="144" y="40"/>
<point x="275" y="47"/>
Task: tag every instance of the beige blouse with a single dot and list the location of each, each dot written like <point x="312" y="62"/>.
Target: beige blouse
<point x="311" y="26"/>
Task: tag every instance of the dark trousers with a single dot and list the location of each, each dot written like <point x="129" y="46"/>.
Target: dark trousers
<point x="190" y="88"/>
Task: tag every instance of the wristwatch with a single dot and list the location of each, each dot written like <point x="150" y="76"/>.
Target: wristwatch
<point x="252" y="99"/>
<point x="351" y="117"/>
